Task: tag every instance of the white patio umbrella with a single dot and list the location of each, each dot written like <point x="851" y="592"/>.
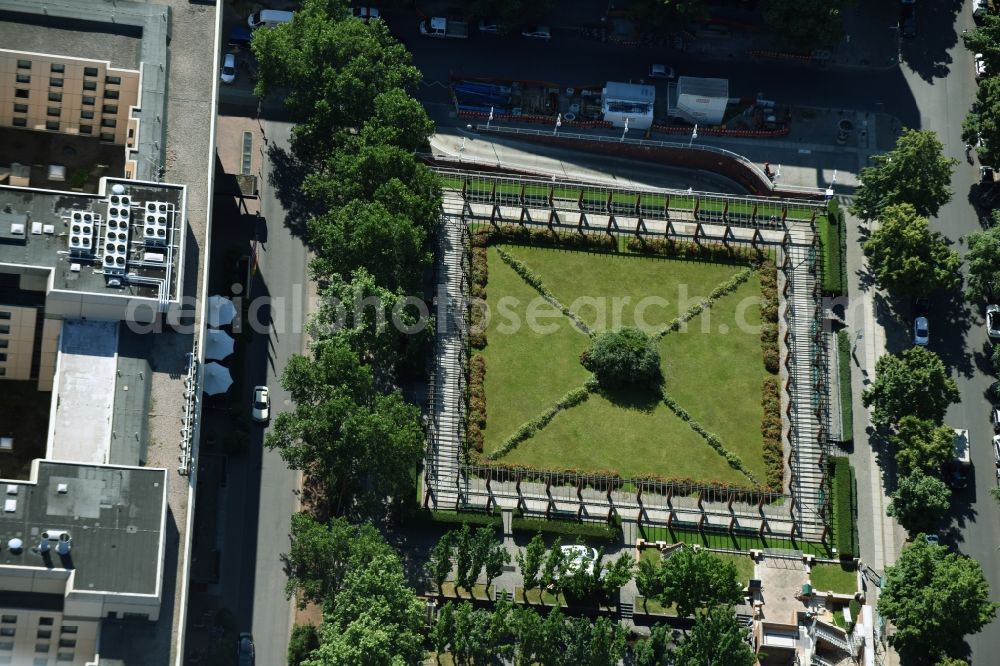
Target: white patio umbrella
<point x="221" y="311"/>
<point x="217" y="379"/>
<point x="218" y="344"/>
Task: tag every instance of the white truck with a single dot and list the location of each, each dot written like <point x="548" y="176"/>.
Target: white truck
<point x="439" y="26"/>
<point x="961" y="466"/>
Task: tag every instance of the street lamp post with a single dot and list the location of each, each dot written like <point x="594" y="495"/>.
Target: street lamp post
<point x="694" y="135"/>
<point x="490" y="119"/>
<point x="625" y="132"/>
<point x="558" y="124"/>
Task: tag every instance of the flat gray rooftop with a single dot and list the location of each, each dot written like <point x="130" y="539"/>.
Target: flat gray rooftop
<point x="80" y="430"/>
<point x="113" y="515"/>
<point x="77" y="39"/>
<point x="130" y="415"/>
<point x="36" y="230"/>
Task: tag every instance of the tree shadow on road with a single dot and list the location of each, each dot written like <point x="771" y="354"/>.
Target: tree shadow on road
<point x="286" y="177"/>
<point x="927" y="52"/>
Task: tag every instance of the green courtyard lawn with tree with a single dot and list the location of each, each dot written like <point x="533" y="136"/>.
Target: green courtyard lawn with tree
<point x="541" y="411"/>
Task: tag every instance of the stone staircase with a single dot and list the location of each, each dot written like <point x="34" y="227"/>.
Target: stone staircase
<point x="807" y="436"/>
<point x="446" y="427"/>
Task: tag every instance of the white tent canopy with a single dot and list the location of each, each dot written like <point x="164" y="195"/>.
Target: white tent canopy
<point x="218" y="344"/>
<point x="217" y="379"/>
<point x="221" y="311"/>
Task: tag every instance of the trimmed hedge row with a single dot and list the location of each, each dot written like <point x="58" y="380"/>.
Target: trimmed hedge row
<point x="727" y="287"/>
<point x="518" y="524"/>
<point x="480" y="277"/>
<point x="769" y="316"/>
<point x="844" y="507"/>
<point x="516" y="234"/>
<point x="536" y="283"/>
<point x="717" y="252"/>
<point x="770" y="429"/>
<point x="734" y="460"/>
<point x="527" y="430"/>
<point x="844" y="366"/>
<point x="477" y="401"/>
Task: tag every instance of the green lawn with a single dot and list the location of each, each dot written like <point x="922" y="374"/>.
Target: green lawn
<point x="834" y="578"/>
<point x="716" y="376"/>
<point x="591" y="279"/>
<point x="741" y="542"/>
<point x="744" y="566"/>
<point x="715" y="372"/>
<point x="526" y="371"/>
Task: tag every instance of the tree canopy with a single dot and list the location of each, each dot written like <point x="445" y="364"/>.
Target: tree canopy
<point x="981" y="128"/>
<point x="920" y="502"/>
<point x="906" y="258"/>
<point x="985" y="39"/>
<point x="623" y="357"/>
<point x="923" y="445"/>
<point x="330" y="72"/>
<point x="715" y="638"/>
<point x="934" y="597"/>
<point x="915" y="172"/>
<point x="342" y="430"/>
<point x="913" y="383"/>
<point x="984" y="267"/>
<point x="804" y="25"/>
<point x="690" y="579"/>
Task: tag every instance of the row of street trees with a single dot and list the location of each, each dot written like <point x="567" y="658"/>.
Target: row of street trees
<point x="369" y="209"/>
<point x="525" y="637"/>
<point x="932" y="596"/>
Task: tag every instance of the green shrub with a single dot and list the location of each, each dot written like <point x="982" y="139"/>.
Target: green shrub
<point x="770" y="429"/>
<point x="566" y="528"/>
<point x="844" y="507"/>
<point x="303" y="641"/>
<point x="716" y="252"/>
<point x="846" y="406"/>
<point x="477" y="402"/>
<point x="623" y="357"/>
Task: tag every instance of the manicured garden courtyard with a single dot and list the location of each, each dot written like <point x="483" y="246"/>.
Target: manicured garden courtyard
<point x="703" y="422"/>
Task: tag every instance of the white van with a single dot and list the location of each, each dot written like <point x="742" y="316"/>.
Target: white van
<point x="268" y="18"/>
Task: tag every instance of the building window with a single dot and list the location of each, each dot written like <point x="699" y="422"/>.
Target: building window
<point x="53" y="111"/>
<point x="4" y="343"/>
<point x="90" y="71"/>
<point x="108" y="137"/>
<point x="21" y="93"/>
<point x="41" y="647"/>
<point x="24" y="78"/>
<point x="113" y="80"/>
<point x="7" y="619"/>
<point x="6" y="631"/>
<point x="52" y="125"/>
<point x="41" y="661"/>
<point x="65" y="656"/>
<point x="45" y="621"/>
<point x="110" y="94"/>
<point x="67" y="642"/>
<point x="20" y="108"/>
<point x="86" y="129"/>
<point x="55" y="82"/>
<point x="19" y="122"/>
<point x="45" y="633"/>
<point x="57" y="68"/>
<point x="55" y="97"/>
<point x="108" y="122"/>
<point x="4" y="328"/>
<point x="24" y="64"/>
<point x="68" y="629"/>
<point x="3" y="359"/>
<point x="90" y="85"/>
<point x="87" y="100"/>
<point x="110" y="108"/>
<point x="87" y="114"/>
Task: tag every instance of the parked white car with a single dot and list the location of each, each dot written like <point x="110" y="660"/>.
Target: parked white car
<point x="228" y="74"/>
<point x="993" y="321"/>
<point x="577" y="557"/>
<point x="537" y="32"/>
<point x="921" y="331"/>
<point x="661" y="72"/>
<point x="980" y="66"/>
<point x="261" y="411"/>
<point x="996" y="449"/>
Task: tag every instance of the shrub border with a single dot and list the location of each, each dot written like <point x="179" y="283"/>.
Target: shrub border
<point x="843" y="500"/>
<point x="844" y="377"/>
